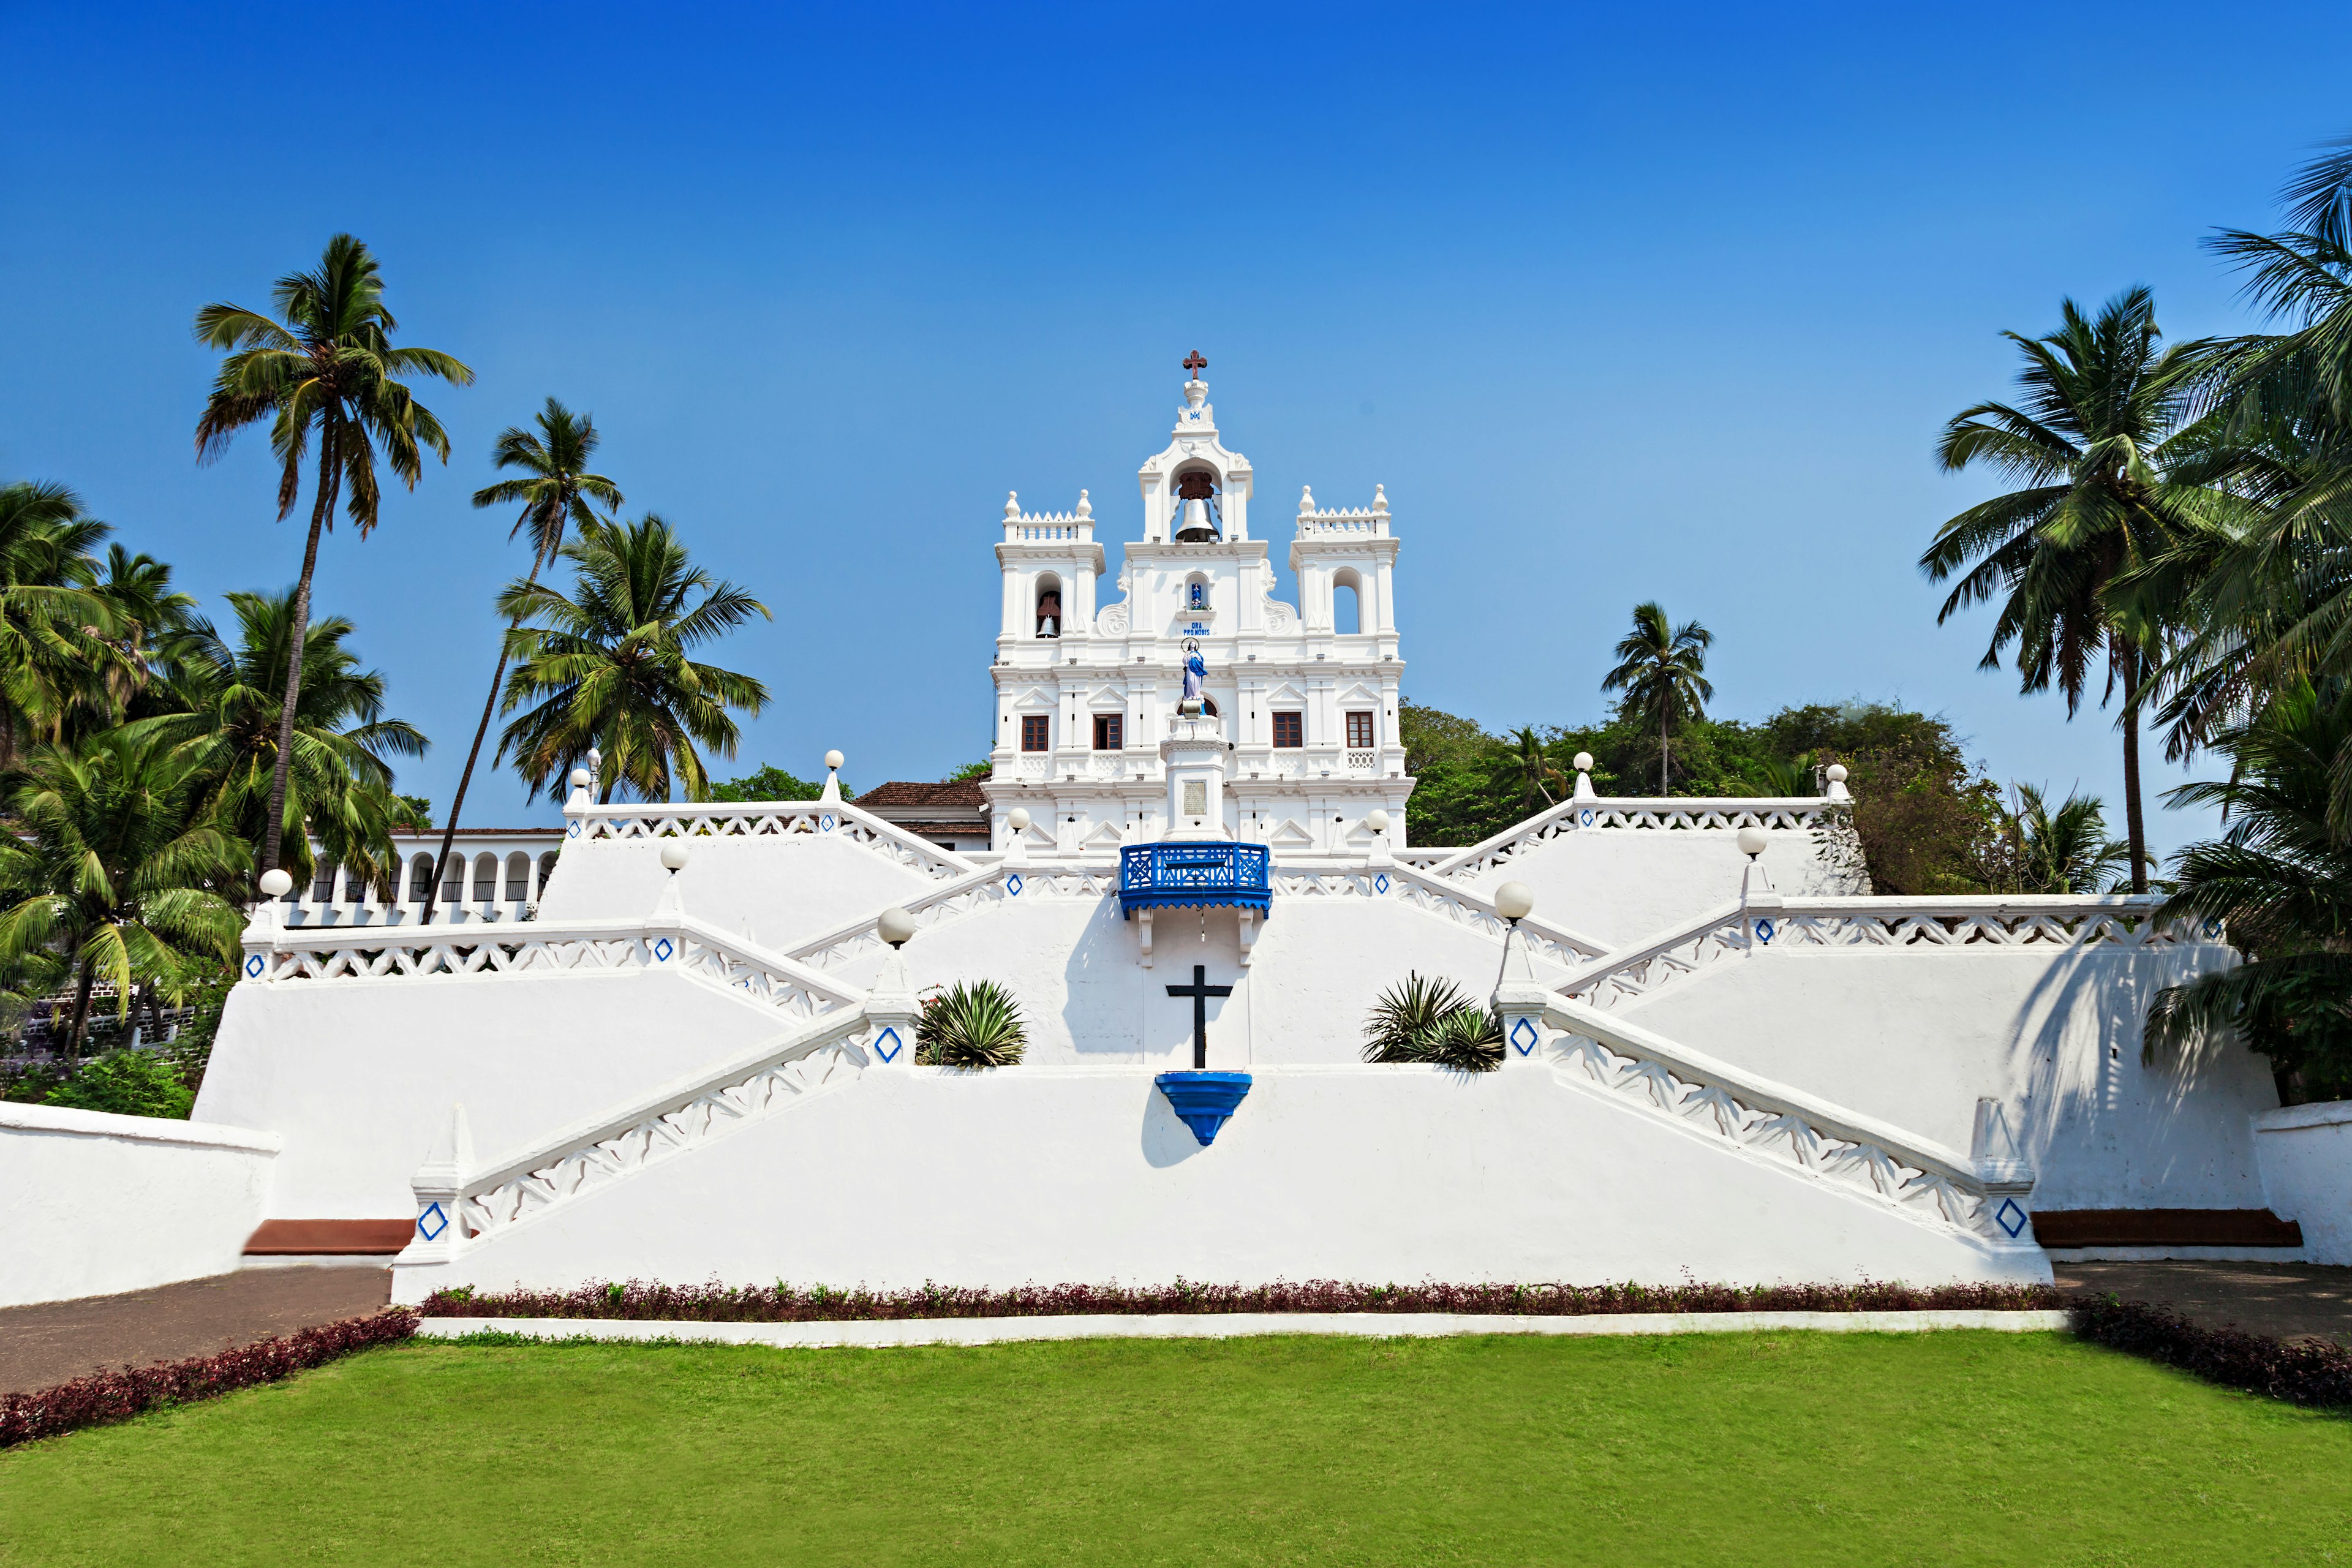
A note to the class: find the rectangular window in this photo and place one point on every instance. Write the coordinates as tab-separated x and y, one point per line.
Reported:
1032	731
1289	729
1109	730
1359	731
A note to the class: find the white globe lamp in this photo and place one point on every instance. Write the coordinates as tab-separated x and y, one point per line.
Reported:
276	883
1378	822
895	926
675	855
1753	841
1515	901
832	759
1017	820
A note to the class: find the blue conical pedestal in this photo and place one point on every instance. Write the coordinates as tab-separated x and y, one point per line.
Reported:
1203	1099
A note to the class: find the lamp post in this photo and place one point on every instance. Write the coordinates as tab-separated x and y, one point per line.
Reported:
1520	998
1756	891
891	1007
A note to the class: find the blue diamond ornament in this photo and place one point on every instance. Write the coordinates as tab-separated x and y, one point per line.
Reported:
887	1045
2010	1218
432	1223
1763	928
1012	883
1380	883
253	967
662	950
1524	1037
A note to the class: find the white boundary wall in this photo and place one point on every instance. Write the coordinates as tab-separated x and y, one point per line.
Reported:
92	1204
2306	1162
1037	1174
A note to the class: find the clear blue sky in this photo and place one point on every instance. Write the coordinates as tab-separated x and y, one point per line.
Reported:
1618	307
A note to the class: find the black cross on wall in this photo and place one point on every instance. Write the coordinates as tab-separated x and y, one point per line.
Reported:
1200	991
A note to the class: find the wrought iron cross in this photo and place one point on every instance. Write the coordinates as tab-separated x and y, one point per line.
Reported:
1195	364
1200	991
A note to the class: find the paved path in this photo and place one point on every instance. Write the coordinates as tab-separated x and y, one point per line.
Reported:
2285	1300
57	1341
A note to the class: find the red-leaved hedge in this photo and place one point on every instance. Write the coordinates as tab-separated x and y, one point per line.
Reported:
781	1304
2308	1373
107	1396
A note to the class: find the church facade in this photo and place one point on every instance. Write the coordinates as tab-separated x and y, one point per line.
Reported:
1087	680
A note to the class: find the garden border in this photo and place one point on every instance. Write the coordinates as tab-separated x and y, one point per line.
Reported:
885	1333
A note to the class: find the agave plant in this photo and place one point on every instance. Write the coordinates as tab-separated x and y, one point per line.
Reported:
1428	1020
974	1025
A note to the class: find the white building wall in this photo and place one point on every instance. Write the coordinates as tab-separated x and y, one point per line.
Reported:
1915	1036
91	1203
358	1076
1621	885
780	888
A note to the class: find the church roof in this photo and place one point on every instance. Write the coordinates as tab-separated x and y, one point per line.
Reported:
921	802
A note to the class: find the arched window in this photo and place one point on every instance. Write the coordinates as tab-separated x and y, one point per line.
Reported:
420	873
1049	606
486	879
356	886
1347	603
453	885
323	889
546	869
518	877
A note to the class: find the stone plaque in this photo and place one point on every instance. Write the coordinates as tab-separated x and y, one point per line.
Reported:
1196	798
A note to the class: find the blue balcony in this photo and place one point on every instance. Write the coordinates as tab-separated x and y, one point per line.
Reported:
1189	875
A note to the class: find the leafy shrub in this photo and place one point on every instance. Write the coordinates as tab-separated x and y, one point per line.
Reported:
2310	1373
127	1083
644	1301
1428	1021
974	1025
110	1397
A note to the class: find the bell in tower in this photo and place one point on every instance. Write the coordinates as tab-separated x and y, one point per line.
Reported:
1196	496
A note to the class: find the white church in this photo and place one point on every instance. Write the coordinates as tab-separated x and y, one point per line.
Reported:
678	1043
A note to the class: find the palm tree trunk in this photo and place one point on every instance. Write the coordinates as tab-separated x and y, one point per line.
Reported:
449	833
2135	830
1662	750
273	830
81	1021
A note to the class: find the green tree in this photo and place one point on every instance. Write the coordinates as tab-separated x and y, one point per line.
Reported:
113	872
55	655
324	372
1536	768
1662	672
127	1083
2278	883
2066	850
606	666
556	490
226	723
2104	421
769	783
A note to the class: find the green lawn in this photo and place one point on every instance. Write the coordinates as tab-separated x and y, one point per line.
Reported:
1778	1448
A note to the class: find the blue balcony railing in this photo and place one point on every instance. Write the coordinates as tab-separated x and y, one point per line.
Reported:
1210	876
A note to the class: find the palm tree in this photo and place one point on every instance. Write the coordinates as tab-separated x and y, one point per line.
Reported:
2066	850
2279	883
1662	672
2104	419
1534	768
327	372
55	649
151	616
555	494
226	725
114	871
607	669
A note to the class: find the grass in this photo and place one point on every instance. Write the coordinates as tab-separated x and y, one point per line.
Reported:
1786	1448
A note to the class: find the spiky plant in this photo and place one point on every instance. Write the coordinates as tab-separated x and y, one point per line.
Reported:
971	1025
1405	1014
1427	1020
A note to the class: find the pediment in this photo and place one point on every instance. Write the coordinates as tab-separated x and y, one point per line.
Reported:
1290	836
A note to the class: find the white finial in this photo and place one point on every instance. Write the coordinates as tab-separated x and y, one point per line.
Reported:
1584	790
1086	507
1837	776
1012	505
1305	500
1379	497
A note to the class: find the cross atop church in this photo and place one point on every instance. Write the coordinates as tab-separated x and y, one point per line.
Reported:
1195	364
1200	991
